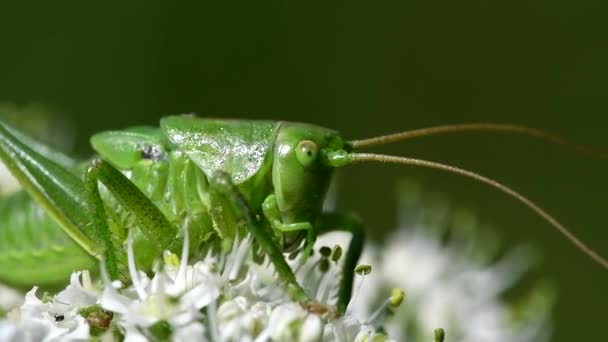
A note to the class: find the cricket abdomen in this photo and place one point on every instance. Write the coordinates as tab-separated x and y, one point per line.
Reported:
33	248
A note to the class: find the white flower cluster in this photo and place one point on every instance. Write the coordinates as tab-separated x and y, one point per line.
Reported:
444	289
50	319
447	264
221	298
448	283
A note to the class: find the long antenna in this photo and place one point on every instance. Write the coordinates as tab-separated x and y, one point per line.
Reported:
365	157
479	127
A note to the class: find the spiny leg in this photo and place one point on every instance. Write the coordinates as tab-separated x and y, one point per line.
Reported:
148	218
221	184
341	222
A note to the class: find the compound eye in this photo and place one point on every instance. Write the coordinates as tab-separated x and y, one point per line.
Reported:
306	152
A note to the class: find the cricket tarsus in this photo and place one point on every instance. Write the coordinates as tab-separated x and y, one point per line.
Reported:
365	157
480	127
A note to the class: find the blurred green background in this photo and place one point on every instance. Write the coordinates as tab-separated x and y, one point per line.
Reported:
364	68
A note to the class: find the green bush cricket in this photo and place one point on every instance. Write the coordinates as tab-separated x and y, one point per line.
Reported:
219	178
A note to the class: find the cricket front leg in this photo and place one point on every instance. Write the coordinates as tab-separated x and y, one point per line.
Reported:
341	222
221	185
273	215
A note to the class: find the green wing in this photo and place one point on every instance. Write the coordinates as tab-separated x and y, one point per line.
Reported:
51	185
238	147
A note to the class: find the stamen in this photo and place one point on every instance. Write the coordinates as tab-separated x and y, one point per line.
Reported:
439	335
361	270
180	279
298	253
228	262
394	300
141	292
105	275
325	285
244	248
111	287
336	253
86	280
325	251
238	257
213	326
328	274
171	259
324	265
309	277
324	288
397	297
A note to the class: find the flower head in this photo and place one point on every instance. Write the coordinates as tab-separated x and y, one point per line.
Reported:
418	281
225	297
452	277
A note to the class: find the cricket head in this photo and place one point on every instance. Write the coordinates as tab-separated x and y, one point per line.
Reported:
299	174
